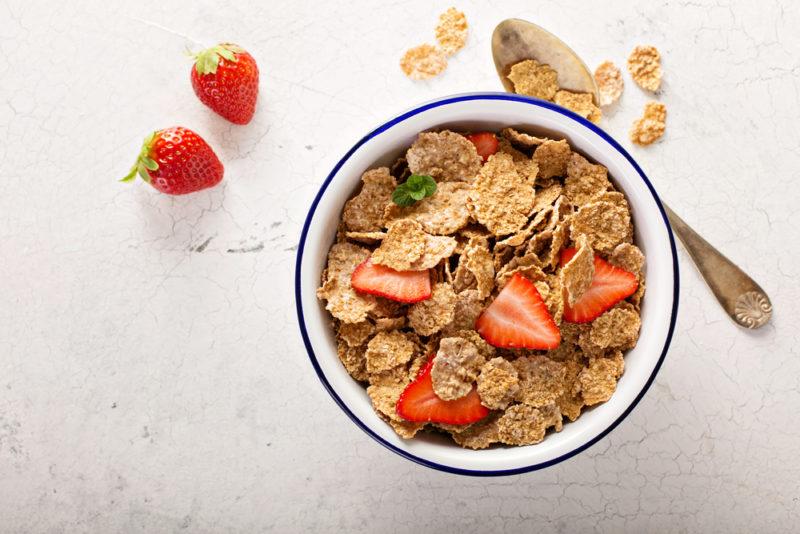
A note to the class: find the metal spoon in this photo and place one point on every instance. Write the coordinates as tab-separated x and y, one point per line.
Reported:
515	40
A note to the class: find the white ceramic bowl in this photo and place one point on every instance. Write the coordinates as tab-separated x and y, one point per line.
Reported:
491	111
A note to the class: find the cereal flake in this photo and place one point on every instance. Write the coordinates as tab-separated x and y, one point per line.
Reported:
577	274
368	238
605	225
429	316
437	248
629	258
478	435
455	368
388	350
571	401
469	306
522	139
446	156
651	126
609	82
451	32
580	103
522	424
618	328
353	360
552	158
444	213
404	244
356	334
500	197
479	261
498	383
364	212
585	181
423	62
342	300
534	79
644	64
599	380
541	380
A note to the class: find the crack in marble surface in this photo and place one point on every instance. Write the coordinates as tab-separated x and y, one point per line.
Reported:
150	381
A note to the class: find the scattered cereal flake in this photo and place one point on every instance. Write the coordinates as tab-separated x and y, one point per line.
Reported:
552	158
437	248
541	380
534	79
444	213
500	197
585	181
446	156
522	139
479	261
389	323
629	258
451	32
429	316
423	62
498	383
364	212
387	350
343	301
546	196
609	82
478	435
605	225
580	103
651	126
599	380
384	399
618	328
469	306
571	402
404	244
353	359
644	64
521	424
356	334
577	274
368	238
455	368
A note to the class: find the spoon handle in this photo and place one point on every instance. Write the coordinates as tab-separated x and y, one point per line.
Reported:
740	296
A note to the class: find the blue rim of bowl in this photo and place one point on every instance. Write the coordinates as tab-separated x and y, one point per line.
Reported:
387	125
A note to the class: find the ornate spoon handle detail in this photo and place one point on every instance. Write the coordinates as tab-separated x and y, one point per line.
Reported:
740	296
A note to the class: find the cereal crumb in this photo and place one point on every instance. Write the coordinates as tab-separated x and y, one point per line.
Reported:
387	350
585	181
423	62
342	300
431	315
577	274
552	158
500	197
599	380
534	79
644	64
541	380
444	213
498	383
605	225
446	156
455	368
364	212
651	126
580	103
451	32
609	82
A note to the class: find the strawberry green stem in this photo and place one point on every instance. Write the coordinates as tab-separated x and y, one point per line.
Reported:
144	162
207	61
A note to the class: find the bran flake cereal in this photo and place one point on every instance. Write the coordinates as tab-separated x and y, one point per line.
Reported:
609	82
471	239
644	64
500	197
580	103
651	126
364	212
534	79
431	315
455	368
498	383
423	62
451	32
446	156
404	244
444	213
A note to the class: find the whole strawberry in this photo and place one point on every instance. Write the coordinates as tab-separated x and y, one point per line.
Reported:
177	161
225	78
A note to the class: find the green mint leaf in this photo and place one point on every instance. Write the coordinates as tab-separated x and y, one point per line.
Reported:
417	187
401	197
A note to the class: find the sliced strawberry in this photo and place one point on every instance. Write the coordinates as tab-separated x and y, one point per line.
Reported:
609	286
402	286
518	318
419	403
485	142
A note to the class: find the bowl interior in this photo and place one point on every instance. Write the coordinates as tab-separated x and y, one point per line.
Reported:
491	112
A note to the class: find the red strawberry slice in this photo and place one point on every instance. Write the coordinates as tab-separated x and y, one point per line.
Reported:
402	286
485	142
609	286
419	403
518	318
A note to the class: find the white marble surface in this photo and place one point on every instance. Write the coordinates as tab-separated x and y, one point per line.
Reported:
146	386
